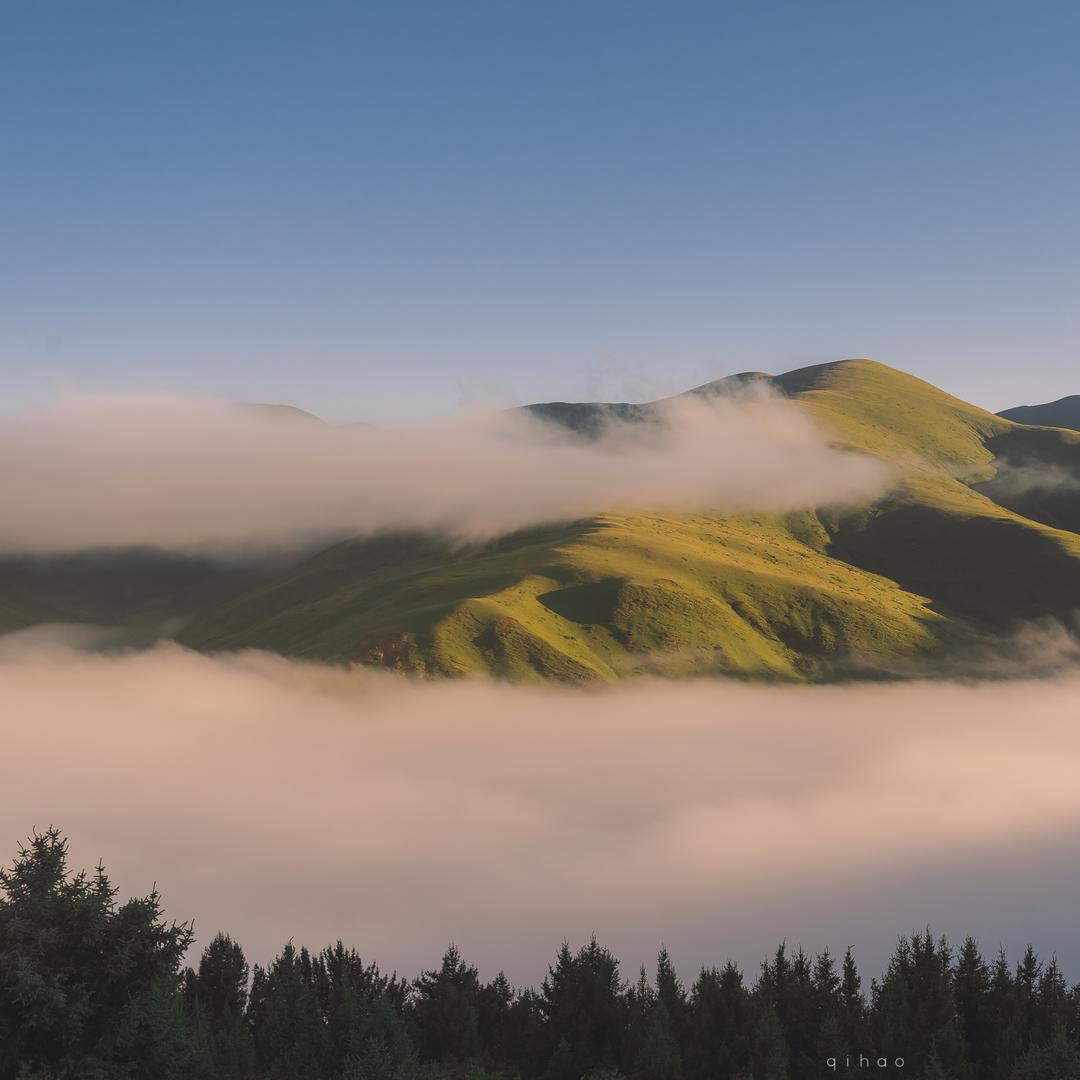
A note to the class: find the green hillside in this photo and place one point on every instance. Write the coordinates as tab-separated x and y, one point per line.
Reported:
977	535
597	599
138	589
813	595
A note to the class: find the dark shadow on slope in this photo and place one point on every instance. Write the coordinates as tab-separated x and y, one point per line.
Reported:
588	605
121	586
983	568
1038	475
802	379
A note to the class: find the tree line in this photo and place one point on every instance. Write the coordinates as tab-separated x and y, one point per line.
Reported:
92	989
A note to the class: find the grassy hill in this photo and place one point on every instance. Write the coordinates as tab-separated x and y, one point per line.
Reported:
812	595
595	599
962	549
1063	413
138	589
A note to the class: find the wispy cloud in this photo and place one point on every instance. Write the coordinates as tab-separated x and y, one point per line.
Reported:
183	473
1013	478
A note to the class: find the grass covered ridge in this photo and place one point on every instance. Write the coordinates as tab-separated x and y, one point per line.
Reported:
812	595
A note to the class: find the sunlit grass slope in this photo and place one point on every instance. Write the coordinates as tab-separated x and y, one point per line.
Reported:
815	595
599	599
940	533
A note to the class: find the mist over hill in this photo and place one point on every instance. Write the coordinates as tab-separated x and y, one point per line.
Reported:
644	538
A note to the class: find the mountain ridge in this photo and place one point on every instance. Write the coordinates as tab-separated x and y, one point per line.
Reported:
1063	413
809	595
956	553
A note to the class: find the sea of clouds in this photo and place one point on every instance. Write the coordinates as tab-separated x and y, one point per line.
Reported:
278	800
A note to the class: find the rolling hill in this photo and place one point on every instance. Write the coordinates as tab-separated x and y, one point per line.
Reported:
1063	413
973	540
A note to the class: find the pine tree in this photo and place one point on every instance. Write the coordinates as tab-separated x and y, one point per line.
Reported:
640	1004
1055	1059
827	1033
915	1006
495	1010
770	1053
290	1036
934	1070
971	988
582	1004
87	987
90	990
362	1010
721	1023
562	1065
216	998
1028	976
1053	1004
669	990
446	1011
787	986
1005	1040
663	1023
852	1007
527	1042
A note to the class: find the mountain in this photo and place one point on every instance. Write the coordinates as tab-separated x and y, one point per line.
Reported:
588	418
282	412
981	534
947	557
1063	413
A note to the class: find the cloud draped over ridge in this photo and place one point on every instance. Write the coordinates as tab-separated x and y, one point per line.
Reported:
277	799
1026	478
189	474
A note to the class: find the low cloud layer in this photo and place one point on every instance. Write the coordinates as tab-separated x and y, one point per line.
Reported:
277	800
1023	479
178	473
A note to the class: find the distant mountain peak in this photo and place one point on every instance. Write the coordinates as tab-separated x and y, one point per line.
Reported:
281	412
728	384
1063	413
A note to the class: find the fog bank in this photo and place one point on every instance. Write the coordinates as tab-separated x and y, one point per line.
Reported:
182	473
280	800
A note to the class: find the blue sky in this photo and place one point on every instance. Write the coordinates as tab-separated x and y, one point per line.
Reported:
376	210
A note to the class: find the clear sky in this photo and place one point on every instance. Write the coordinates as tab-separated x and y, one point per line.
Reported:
370	209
